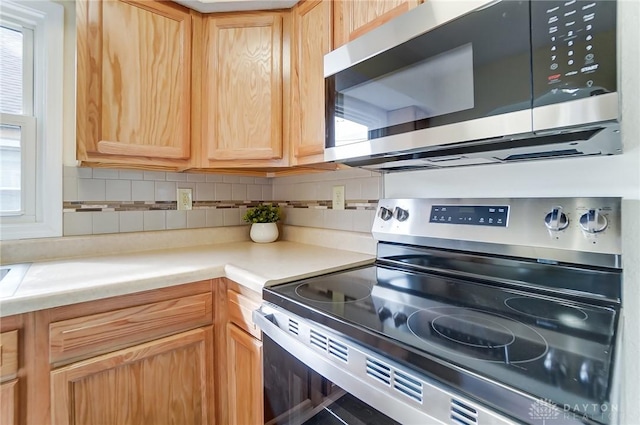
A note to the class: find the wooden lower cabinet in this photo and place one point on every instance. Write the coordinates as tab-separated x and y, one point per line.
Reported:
244	375
9	403
165	381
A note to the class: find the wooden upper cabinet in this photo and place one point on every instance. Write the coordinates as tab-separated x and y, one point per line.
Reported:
242	89
134	82
354	18
312	31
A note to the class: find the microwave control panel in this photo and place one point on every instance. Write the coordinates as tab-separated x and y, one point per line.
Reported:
574	49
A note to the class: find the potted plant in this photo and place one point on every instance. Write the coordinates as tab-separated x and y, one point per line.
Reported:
263	220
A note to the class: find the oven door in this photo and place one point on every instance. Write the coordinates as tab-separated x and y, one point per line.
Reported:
465	78
313	384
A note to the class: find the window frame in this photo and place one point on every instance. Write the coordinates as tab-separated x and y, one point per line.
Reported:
43	190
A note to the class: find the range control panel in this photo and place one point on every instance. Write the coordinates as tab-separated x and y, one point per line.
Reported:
477	215
542	228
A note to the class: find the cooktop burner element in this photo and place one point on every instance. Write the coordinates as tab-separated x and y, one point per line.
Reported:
544	309
478	334
334	292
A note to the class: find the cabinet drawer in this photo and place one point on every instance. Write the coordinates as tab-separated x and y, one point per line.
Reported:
86	336
8	355
240	309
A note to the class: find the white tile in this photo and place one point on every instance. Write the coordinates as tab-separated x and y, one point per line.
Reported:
154	220
309	217
237	179
118	190
305	192
325	190
262	180
283	192
254	192
352	189
131	221
176	219
214	178
339	219
165	191
232	216
214	217
106	222
370	188
362	220
77	223
205	192
154	175
239	192
267	192
193	177
142	190
91	190
70	171
196	218
105	173
131	175
176	177
85	172
223	192
70	188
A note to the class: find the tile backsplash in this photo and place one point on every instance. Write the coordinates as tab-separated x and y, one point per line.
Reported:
102	201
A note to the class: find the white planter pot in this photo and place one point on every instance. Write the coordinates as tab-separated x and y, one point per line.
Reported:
264	232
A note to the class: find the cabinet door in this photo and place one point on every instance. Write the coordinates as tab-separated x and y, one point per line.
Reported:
242	90
134	82
244	375
167	381
354	18
9	403
312	40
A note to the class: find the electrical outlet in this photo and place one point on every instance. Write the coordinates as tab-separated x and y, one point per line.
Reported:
185	199
338	198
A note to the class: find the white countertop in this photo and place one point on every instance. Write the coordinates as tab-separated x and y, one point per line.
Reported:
55	283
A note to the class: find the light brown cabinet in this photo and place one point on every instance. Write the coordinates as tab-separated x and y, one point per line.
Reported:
9	408
244	372
134	83
162	381
243	78
354	18
312	29
239	355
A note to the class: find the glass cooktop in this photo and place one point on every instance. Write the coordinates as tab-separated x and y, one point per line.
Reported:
551	348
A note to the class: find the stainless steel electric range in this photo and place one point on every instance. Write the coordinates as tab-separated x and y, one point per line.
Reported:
476	311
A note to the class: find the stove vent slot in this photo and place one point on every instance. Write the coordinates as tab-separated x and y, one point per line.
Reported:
332	347
338	350
319	340
378	371
407	385
463	414
293	327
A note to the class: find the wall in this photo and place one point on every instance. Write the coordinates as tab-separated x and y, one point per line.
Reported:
99	201
607	176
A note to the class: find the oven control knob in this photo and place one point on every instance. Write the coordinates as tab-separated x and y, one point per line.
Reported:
384	313
593	222
385	214
556	220
399	319
400	214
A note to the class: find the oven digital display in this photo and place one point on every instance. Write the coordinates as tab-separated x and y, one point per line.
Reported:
476	215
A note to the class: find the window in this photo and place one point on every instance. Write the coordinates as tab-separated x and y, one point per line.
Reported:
31	40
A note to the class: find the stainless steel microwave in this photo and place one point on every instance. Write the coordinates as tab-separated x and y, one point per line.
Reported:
454	83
